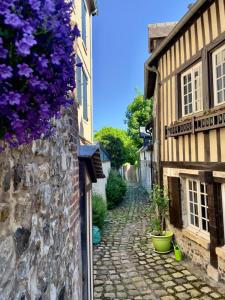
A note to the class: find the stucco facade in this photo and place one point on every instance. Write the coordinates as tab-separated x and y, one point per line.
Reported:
82	16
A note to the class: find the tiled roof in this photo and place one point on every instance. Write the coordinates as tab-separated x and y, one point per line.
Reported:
160	29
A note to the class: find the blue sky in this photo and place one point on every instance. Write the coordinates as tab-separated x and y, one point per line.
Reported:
120	48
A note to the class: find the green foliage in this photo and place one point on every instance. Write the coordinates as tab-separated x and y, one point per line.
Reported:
159	208
139	112
118	144
115	189
98	210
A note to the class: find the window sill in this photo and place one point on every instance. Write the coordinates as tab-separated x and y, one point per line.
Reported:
197	236
220	251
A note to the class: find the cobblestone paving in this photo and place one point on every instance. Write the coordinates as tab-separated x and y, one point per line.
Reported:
126	267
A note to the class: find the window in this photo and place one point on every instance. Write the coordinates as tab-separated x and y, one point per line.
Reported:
218	58
79	81
198	205
81	88
191	88
84	26
85	102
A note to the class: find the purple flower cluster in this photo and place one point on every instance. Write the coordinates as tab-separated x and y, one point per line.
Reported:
36	66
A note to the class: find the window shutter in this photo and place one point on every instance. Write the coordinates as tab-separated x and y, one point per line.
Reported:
215	220
79	81
85	100
175	208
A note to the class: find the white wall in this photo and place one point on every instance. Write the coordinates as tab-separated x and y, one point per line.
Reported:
145	170
100	185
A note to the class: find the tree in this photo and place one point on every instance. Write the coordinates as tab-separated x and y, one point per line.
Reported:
138	113
118	144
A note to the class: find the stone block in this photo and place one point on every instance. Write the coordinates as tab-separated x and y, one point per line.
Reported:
21	237
7	181
213	273
4	212
18	171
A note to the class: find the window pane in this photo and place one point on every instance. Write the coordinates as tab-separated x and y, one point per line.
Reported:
223	68
195	198
223	55
218	58
190	196
190	108
219	84
185	110
189	77
185	100
185	90
204	227
196	209
195	185
189	88
203	212
192	220
191	207
202	188
218	71
189	98
84	29
190	184
202	200
196	222
185	79
219	97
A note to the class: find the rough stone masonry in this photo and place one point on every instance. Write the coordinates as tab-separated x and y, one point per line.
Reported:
40	248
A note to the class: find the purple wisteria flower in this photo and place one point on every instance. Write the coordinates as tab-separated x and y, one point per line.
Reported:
36	67
24	70
5	71
13	20
35	4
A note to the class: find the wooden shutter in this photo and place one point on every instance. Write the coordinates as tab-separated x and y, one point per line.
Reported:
175	208
216	226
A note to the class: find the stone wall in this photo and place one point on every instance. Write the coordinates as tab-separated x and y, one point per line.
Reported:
40	248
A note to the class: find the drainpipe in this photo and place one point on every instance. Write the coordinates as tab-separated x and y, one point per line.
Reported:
158	125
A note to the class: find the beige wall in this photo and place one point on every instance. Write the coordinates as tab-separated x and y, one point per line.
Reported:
85	54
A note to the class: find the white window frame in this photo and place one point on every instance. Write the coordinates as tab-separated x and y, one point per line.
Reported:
196	228
191	71
215	91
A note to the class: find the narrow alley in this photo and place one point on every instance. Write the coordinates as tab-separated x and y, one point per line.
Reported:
126	267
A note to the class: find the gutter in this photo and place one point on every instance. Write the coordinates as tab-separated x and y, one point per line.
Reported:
192	11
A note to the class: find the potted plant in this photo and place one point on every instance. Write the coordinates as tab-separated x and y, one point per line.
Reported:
161	238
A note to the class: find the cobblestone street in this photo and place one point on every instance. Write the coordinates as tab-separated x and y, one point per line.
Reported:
126	267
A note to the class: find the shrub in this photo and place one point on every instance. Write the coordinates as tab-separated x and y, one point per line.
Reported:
36	67
115	189
98	210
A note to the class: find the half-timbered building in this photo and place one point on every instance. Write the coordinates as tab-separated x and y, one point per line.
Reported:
185	74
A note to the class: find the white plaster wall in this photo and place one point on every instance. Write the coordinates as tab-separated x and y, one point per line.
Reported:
100	185
145	178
